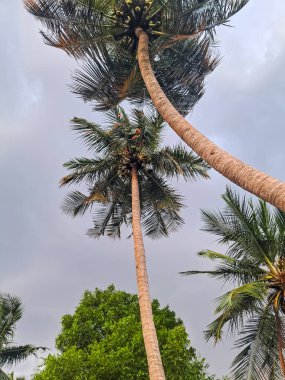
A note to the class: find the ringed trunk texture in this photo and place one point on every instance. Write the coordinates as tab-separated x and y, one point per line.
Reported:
245	176
281	343
155	367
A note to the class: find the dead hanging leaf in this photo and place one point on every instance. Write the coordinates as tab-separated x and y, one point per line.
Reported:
65	180
181	37
128	83
97	197
177	38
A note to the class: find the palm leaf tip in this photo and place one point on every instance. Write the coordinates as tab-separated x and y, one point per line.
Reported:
11	355
190	272
64	181
212	255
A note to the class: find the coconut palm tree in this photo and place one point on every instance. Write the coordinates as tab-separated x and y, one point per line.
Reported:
126	182
255	262
10	313
162	44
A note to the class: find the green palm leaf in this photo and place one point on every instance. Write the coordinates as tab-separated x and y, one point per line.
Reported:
188	17
254	261
10	313
216	256
234	306
160	207
93	135
259	355
178	161
86	169
14	354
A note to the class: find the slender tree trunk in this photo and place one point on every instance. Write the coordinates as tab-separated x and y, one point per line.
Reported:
245	176
155	367
281	342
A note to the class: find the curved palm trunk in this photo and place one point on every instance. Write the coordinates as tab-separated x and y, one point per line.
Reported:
281	342
155	366
245	176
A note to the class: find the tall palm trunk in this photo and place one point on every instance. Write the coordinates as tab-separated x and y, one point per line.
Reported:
155	366
281	343
245	176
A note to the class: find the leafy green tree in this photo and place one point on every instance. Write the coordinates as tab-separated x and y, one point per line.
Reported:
10	313
126	183
103	340
255	263
128	45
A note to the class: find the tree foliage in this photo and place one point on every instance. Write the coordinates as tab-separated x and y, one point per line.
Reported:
102	340
255	263
125	142
102	34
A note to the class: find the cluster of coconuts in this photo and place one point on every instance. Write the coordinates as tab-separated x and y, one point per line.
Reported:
133	154
136	13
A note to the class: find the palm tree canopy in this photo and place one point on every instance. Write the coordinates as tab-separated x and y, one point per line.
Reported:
10	313
123	143
103	33
255	263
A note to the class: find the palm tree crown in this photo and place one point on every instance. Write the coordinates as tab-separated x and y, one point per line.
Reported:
255	263
104	34
10	313
123	144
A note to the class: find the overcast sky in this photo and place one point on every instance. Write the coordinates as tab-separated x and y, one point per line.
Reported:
46	258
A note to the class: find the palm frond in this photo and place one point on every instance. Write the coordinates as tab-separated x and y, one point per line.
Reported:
212	273
77	203
194	16
160	207
72	25
177	161
151	126
108	219
88	170
107	79
12	355
259	355
94	137
10	312
237	273
236	226
180	66
234	306
212	255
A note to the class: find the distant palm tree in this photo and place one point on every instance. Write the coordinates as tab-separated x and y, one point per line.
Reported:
114	37
126	180
10	313
255	262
